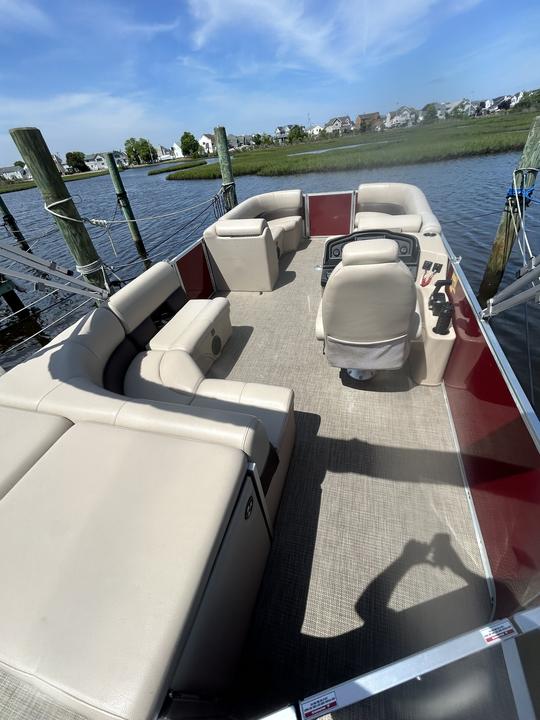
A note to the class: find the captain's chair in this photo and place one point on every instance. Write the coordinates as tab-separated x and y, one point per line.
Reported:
367	314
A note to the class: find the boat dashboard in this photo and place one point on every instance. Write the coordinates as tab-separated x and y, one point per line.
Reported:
409	249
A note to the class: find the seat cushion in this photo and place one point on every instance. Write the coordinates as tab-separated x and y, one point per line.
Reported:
24	437
103	593
287	231
167	376
201	328
271	404
384	221
173	377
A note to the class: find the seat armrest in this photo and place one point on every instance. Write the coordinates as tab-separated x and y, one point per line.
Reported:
241	227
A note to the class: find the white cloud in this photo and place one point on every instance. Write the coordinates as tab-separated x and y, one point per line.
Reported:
83	121
148	30
340	38
23	14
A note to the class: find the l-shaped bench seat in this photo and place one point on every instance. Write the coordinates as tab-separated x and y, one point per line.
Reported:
130	564
115	366
244	245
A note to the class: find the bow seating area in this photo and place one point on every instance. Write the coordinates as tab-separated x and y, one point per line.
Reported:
394	206
128	488
245	244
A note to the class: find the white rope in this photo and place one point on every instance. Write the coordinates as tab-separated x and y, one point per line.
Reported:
105	223
39	332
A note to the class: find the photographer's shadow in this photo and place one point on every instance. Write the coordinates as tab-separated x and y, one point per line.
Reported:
388	634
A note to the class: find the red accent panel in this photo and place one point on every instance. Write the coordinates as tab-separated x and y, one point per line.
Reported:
195	274
330	214
500	459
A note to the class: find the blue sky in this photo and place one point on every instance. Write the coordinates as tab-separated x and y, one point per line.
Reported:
92	73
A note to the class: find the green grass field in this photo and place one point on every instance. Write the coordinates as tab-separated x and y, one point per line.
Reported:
179	166
27	184
443	140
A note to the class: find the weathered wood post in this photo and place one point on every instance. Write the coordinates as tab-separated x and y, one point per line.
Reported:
506	232
225	164
12	300
13	228
123	201
36	154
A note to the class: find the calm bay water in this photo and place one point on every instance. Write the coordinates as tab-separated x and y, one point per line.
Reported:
466	194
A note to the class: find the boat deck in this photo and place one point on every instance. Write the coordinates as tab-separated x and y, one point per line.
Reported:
375	554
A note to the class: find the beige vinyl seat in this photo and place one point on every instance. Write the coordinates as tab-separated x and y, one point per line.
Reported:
245	244
105	368
368	313
130	564
394	206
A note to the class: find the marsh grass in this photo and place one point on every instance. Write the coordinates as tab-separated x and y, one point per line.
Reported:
27	184
178	166
444	140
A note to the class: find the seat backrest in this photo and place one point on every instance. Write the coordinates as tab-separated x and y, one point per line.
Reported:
370	296
137	300
80	351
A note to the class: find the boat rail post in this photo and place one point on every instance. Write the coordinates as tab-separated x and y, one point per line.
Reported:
506	232
123	201
37	156
225	164
12	227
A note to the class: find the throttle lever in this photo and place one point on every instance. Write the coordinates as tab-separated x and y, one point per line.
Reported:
438	299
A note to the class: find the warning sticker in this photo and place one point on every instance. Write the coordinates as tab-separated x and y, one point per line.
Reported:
498	631
319	705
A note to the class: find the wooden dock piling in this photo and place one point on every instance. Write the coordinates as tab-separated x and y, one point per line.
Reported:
12	227
225	164
123	201
506	232
36	154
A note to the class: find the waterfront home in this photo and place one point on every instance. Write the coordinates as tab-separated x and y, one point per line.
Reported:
177	150
368	121
462	108
13	172
96	161
208	143
281	133
314	130
164	153
339	125
402	117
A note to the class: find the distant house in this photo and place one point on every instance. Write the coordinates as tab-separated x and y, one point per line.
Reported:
13	172
164	153
96	161
462	108
517	98
339	125
281	133
177	150
208	143
368	121
402	117
314	130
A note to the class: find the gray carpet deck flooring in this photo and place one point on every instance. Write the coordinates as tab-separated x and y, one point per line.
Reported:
374	554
